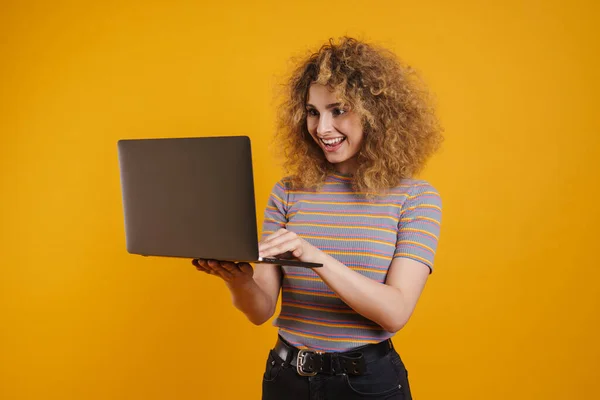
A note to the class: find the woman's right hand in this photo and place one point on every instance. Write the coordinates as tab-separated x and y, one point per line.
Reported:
233	274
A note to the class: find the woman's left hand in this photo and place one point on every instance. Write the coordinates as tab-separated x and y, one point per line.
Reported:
287	243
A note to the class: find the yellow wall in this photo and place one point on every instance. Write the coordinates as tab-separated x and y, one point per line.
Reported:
512	309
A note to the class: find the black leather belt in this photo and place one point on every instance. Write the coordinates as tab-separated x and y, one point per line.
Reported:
312	362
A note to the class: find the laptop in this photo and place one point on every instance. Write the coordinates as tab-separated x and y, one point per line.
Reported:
191	198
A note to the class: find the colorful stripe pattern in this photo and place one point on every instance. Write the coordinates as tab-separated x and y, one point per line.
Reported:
365	235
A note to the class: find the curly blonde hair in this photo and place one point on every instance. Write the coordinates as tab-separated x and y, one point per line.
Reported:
400	127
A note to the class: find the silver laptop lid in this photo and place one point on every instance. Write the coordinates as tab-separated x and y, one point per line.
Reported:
189	197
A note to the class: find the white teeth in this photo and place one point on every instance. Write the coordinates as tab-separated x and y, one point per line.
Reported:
332	141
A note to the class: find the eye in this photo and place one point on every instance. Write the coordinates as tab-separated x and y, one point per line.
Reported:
312	112
338	111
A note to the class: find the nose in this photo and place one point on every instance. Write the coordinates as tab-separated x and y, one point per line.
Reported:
325	123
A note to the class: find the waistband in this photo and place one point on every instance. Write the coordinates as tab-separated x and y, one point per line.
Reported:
312	362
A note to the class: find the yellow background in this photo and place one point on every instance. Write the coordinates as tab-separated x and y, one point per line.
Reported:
512	310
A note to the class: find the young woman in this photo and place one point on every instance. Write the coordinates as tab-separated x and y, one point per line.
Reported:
355	129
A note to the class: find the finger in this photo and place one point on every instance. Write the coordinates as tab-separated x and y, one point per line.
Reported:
275	234
201	265
230	267
298	252
199	262
245	268
294	246
213	265
277	241
218	270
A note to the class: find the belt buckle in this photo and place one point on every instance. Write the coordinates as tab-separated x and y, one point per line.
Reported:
300	360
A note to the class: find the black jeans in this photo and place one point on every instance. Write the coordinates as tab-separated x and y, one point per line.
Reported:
385	378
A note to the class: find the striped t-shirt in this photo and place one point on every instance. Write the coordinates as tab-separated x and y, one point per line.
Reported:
363	234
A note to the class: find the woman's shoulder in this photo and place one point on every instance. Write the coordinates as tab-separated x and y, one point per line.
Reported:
418	191
415	185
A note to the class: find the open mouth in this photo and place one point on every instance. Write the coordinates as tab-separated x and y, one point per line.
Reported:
332	144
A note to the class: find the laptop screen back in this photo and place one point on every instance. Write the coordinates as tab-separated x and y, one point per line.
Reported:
189	197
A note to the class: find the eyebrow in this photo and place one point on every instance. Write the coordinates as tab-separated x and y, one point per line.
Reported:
328	106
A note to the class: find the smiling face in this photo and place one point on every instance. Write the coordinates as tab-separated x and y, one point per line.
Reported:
338	131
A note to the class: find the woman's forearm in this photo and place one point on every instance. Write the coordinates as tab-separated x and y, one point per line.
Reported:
378	302
253	301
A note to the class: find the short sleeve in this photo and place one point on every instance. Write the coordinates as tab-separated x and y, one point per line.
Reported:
419	226
275	216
